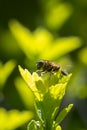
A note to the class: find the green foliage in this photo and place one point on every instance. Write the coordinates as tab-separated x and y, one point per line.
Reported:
10	120
83	55
25	93
55	13
48	90
54	21
63	113
33	44
5	71
55	25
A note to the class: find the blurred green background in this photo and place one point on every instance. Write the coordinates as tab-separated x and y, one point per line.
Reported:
31	30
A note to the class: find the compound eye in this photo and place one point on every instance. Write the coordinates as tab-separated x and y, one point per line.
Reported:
40	64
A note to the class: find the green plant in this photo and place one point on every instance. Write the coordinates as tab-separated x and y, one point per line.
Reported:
48	90
33	43
10	120
5	70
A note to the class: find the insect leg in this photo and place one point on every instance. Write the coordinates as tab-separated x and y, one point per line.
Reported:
64	72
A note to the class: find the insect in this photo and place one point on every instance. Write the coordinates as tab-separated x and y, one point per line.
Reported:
48	66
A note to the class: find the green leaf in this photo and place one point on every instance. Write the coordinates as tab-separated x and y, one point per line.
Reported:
57	91
63	113
31	43
54	96
5	71
22	35
25	93
83	55
10	120
58	47
57	14
31	81
26	76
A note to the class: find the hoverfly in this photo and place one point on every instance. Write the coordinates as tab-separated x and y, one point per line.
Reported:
48	66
